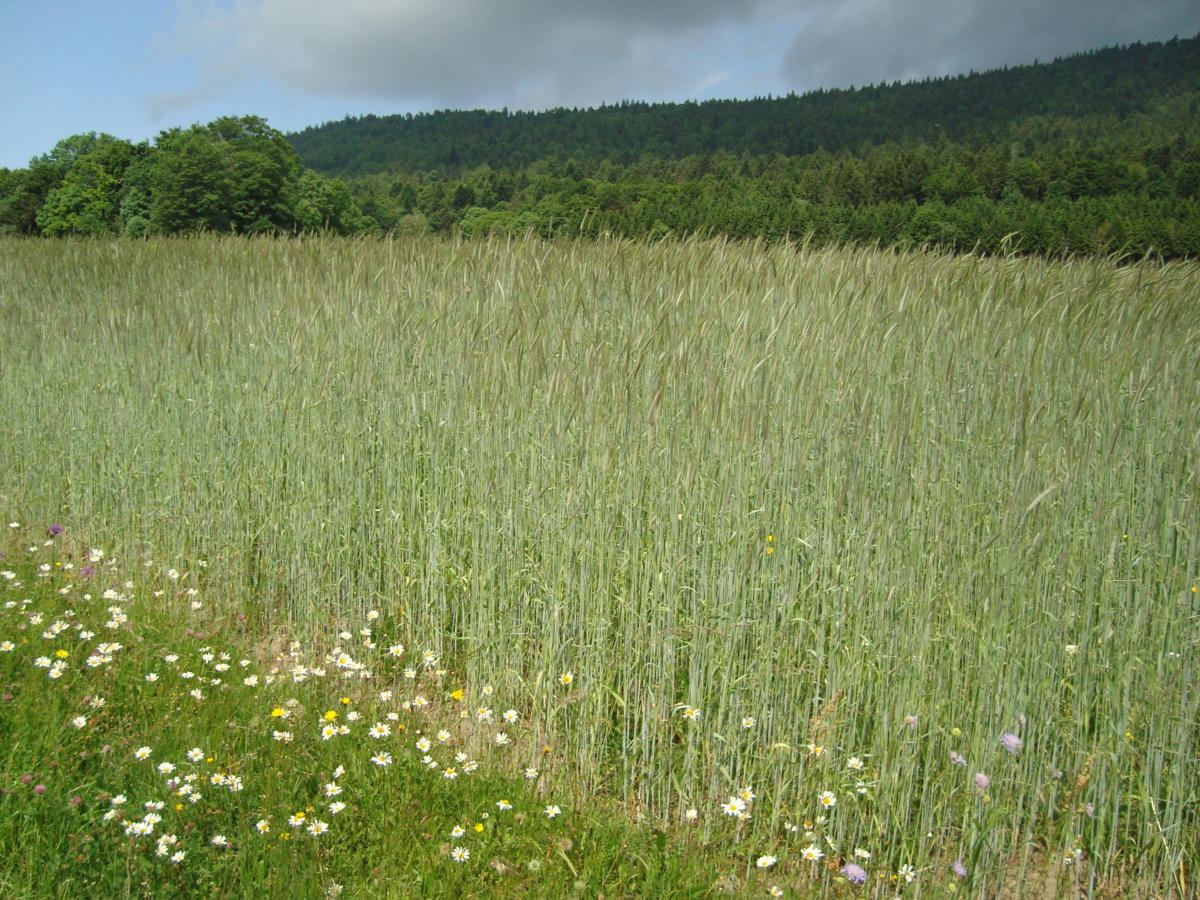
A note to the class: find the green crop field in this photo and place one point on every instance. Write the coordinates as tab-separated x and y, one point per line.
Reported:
820	572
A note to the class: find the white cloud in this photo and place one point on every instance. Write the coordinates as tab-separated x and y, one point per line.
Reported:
710	81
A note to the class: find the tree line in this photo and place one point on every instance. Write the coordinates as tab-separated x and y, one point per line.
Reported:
1113	83
233	175
1098	153
1102	199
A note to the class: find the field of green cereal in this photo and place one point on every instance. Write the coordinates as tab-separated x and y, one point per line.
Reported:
607	569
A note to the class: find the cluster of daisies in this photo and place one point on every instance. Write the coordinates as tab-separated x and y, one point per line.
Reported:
368	697
364	695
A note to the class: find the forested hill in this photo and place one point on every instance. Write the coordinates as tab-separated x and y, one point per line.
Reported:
972	109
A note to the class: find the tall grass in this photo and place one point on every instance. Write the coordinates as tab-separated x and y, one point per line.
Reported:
829	489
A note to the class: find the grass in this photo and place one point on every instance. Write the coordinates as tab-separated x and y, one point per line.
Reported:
887	505
155	750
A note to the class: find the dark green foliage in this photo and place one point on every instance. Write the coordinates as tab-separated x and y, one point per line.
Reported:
978	109
1097	153
949	196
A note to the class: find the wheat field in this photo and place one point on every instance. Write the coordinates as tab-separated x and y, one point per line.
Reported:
804	519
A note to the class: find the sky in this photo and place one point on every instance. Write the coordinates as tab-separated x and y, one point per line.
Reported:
133	68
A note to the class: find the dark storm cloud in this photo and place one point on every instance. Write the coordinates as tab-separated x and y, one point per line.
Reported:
539	53
868	41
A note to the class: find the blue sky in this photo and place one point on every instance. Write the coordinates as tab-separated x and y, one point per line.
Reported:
135	68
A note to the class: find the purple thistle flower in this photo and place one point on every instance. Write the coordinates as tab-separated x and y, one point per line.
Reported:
855	874
958	868
53	530
957	759
982	781
1011	742
87	570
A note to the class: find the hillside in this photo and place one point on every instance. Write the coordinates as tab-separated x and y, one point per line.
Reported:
1097	153
974	108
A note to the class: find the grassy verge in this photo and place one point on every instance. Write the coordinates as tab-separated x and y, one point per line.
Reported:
157	748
